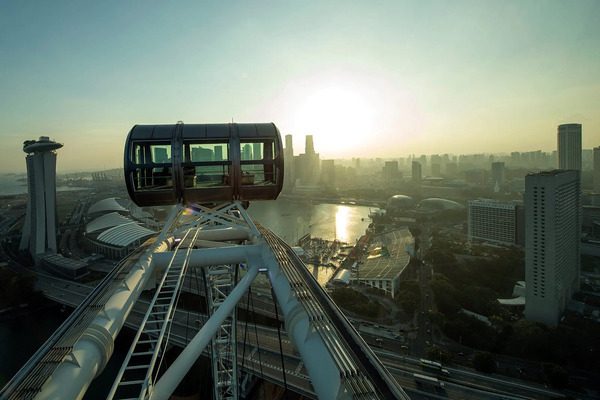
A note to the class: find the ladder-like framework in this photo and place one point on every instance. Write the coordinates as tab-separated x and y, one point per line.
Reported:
220	280
138	371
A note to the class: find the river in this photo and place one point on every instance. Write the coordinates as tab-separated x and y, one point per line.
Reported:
291	220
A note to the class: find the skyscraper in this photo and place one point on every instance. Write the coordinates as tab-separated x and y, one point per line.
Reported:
218	153
246	152
257	151
552	230
309	147
390	172
39	229
308	166
416	172
328	173
497	174
569	146
597	169
289	173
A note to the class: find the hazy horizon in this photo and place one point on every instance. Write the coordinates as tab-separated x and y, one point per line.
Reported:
367	80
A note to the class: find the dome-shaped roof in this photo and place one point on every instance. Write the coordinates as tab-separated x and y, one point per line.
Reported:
106	205
106	221
435	204
400	201
125	234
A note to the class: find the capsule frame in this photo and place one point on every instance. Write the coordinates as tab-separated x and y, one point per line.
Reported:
203	163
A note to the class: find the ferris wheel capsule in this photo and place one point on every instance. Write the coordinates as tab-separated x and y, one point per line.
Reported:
200	163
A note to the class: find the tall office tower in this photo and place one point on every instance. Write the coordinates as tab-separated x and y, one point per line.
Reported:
246	152
497	173
390	172
200	154
552	231
218	153
492	221
309	163
309	147
257	151
416	172
39	229
597	169
569	146
328	173
289	172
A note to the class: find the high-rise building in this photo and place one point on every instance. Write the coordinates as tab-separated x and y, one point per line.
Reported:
257	151
390	171
39	229
218	153
246	152
161	155
309	147
289	172
202	154
328	173
597	169
569	146
308	165
492	221
552	234
498	173
416	172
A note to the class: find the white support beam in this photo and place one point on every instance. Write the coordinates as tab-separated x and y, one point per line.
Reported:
167	384
320	365
214	256
219	234
91	352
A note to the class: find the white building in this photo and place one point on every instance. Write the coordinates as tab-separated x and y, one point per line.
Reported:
552	231
388	257
492	221
39	229
569	146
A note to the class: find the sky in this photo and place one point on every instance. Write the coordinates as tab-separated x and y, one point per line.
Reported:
366	78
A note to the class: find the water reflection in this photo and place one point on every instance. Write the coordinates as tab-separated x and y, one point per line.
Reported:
290	220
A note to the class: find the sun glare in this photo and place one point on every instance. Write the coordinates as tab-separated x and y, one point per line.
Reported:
339	116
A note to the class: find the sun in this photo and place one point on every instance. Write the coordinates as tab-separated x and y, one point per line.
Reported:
339	116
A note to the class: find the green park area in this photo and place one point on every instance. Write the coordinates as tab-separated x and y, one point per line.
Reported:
464	281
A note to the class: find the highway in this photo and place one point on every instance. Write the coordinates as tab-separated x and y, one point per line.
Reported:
461	383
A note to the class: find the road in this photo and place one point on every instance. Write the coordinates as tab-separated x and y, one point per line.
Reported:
460	384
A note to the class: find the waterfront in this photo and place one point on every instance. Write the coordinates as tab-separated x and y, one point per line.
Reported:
291	220
12	185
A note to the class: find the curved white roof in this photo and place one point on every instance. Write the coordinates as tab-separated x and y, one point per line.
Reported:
106	221
124	235
105	205
434	203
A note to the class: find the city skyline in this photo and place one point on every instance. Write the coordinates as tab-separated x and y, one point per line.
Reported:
352	76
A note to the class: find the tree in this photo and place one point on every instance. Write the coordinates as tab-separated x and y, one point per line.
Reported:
556	375
484	362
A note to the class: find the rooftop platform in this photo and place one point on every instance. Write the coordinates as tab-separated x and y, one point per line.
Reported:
388	255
